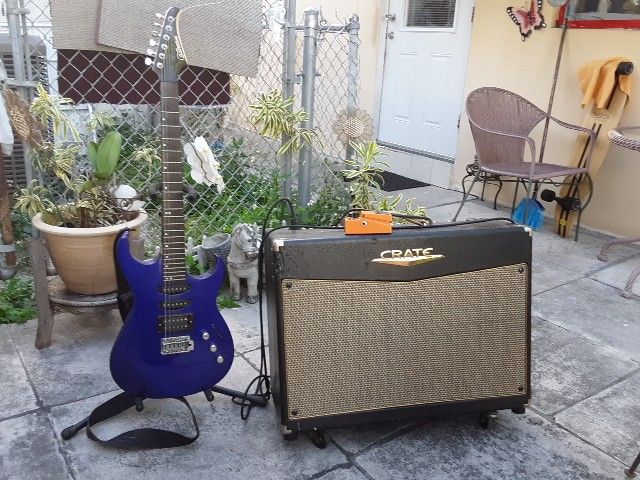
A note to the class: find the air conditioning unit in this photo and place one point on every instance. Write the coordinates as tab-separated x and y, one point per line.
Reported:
15	164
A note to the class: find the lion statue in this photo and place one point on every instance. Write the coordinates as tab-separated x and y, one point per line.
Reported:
243	261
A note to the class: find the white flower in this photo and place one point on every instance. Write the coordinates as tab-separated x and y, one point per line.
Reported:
204	166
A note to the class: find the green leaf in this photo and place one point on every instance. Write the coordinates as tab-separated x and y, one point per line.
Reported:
92	150
108	155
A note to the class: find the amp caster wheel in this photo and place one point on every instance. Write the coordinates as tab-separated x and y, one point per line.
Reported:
519	410
318	438
290	437
484	420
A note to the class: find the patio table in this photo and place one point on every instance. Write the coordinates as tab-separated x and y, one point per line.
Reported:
628	137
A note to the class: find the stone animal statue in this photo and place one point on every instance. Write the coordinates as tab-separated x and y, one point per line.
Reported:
243	261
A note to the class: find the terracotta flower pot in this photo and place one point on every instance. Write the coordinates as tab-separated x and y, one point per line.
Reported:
83	257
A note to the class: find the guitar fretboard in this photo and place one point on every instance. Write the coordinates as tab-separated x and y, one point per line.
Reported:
173	240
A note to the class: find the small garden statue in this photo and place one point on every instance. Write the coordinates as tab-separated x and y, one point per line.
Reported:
243	261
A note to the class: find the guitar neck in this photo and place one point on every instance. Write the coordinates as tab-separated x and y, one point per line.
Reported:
173	238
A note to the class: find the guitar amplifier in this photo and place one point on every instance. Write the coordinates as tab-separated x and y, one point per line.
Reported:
420	322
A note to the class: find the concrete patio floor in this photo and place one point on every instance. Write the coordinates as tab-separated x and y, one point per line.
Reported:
583	421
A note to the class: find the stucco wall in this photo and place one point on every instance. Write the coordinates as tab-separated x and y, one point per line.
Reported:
370	12
498	57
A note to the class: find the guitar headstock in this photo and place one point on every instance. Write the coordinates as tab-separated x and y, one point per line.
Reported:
166	55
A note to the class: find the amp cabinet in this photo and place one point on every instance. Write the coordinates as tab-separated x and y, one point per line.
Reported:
421	322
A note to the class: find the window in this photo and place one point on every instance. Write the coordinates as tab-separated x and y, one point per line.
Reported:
603	14
431	13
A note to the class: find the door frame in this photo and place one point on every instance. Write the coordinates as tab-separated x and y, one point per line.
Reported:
383	29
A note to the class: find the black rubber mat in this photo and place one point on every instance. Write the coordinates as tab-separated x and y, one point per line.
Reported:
392	182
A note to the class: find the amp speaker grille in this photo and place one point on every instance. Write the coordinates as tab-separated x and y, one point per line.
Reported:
355	346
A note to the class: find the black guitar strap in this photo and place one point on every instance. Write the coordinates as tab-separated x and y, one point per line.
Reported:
139	439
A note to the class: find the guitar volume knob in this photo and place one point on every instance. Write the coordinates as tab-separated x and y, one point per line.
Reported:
220	359
205	335
213	347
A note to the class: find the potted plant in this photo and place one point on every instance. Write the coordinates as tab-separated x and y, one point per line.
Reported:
79	230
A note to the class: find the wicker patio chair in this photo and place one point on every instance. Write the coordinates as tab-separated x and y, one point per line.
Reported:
501	124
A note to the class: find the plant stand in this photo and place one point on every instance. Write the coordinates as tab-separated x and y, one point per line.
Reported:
52	292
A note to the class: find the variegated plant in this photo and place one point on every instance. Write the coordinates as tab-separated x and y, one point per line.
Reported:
90	201
275	117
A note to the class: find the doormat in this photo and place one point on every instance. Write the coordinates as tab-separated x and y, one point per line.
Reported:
392	181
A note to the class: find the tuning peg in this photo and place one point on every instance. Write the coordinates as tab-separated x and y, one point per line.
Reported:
155	34
152	42
156	24
159	64
159	15
148	61
151	51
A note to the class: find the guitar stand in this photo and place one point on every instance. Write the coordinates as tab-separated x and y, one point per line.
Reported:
258	400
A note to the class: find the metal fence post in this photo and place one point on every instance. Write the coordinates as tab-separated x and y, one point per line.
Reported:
309	58
288	85
353	73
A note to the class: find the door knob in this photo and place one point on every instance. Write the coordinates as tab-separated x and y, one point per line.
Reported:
390	16
391	35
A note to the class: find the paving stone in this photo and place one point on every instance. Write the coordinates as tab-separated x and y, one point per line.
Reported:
254	358
16	394
228	447
515	447
547	276
617	275
568	368
29	451
595	311
428	197
343	474
609	420
245	327
471	209
581	256
76	365
358	438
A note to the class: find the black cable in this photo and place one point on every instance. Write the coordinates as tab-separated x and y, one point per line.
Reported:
261	381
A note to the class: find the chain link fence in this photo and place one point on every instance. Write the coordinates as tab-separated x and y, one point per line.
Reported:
113	91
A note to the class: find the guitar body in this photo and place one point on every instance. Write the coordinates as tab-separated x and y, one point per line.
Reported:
138	364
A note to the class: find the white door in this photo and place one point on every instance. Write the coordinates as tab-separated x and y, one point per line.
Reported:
425	65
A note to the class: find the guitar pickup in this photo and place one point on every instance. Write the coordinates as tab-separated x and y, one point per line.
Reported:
175	323
174	305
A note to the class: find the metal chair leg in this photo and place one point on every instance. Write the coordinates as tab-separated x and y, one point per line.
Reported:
464	199
495	199
515	196
584	205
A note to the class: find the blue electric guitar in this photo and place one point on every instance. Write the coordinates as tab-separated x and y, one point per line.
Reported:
174	342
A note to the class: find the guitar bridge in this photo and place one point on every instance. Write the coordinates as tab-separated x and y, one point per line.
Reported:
173	345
